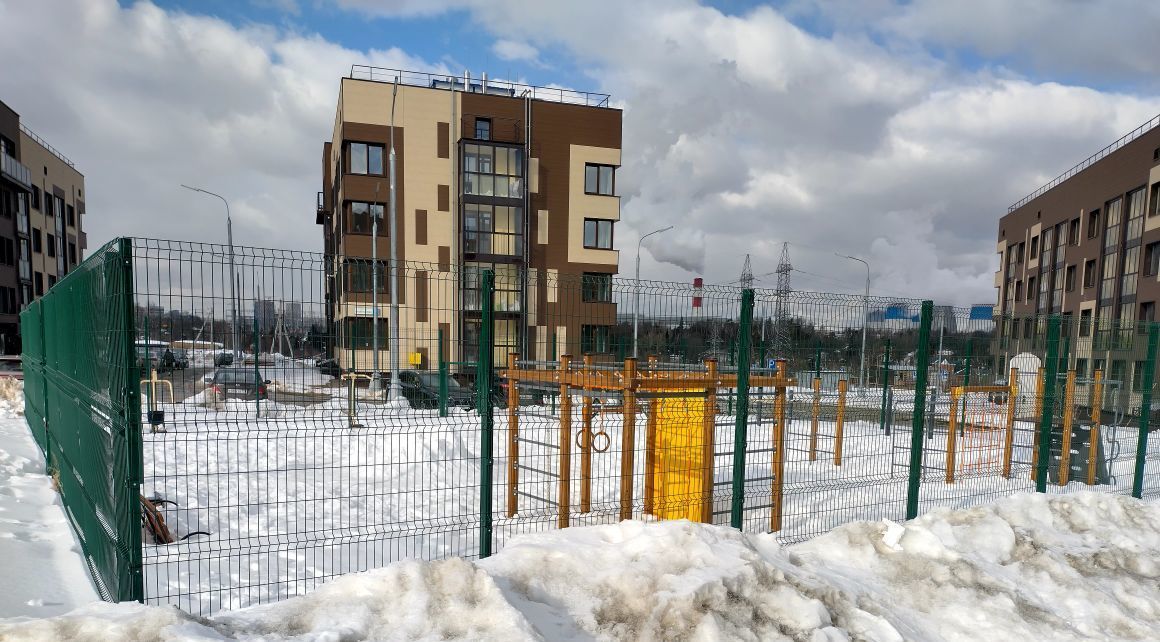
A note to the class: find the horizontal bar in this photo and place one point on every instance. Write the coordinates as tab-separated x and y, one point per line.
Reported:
525	440
537	470
539	499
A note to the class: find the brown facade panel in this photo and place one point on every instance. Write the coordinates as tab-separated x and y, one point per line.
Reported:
420	227
444	258
445	329
444	198
424	358
443	140
421	295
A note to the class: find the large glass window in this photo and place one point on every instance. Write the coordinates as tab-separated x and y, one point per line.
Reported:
359	277
483	128
507	286
1135	214
358	333
597	234
594	338
1108	283
1112	234
1131	267
597	288
490	170
366	158
599	179
492	229
358	218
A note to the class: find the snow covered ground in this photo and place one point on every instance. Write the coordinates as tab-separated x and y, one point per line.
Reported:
1030	567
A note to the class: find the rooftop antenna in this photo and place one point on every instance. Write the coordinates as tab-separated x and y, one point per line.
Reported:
781	311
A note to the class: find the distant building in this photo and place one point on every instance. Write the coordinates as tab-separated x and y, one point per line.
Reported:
265	311
292	316
490	175
42	212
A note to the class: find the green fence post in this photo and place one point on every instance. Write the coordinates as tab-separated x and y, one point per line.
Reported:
966	382
1145	410
885	385
741	423
1048	414
553	393
818	361
483	378
129	529
257	372
917	422
442	376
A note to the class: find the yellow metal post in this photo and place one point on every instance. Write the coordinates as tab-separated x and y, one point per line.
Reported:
513	402
951	429
1009	440
586	444
565	488
707	444
1094	435
778	452
840	427
628	439
814	422
1039	379
1068	415
650	451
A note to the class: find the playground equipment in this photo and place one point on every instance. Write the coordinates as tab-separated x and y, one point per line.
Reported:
976	423
680	425
156	417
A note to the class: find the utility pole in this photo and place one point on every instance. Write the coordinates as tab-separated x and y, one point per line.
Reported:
636	291
233	292
393	281
865	311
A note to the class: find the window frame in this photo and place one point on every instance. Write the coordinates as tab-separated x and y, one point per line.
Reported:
482	121
596	287
349	219
1069	278
1152	259
352	169
599	167
1073	231
1094	226
611	233
595	339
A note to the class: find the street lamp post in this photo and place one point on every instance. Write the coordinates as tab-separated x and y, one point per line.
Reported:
376	381
233	292
393	281
636	291
865	311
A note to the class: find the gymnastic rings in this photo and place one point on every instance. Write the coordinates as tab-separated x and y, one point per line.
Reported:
595	440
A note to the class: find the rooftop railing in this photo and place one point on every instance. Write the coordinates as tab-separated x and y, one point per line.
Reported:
1087	162
479	85
43	143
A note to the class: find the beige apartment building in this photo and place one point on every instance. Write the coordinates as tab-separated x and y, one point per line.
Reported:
489	175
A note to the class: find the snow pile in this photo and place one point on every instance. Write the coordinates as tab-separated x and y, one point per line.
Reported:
1029	567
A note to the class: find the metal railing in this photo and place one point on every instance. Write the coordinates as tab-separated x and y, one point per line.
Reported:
479	85
43	143
1087	162
15	169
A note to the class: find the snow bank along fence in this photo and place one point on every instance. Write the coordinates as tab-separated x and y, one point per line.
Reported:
224	432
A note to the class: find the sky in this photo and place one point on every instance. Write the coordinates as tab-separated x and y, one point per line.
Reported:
897	132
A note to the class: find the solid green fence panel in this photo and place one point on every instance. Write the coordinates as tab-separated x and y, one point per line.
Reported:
921	364
741	425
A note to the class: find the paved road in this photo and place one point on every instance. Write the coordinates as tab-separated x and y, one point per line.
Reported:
190	381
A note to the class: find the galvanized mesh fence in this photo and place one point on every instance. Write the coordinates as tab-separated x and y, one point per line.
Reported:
250	394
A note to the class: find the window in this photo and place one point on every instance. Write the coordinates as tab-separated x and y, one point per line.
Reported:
507	287
366	158
35	203
1081	368
599	179
50	243
1030	288
492	170
1034	248
1085	323
1118	371
1155	208
1114	211
358	218
1089	273
359	276
70	215
483	128
1093	224
1073	232
358	333
1069	281
1097	366
597	234
36	241
493	229
72	253
1019	290
1138	376
48	204
1019	252
1152	259
1147	314
1130	271
594	338
597	288
1135	214
38	282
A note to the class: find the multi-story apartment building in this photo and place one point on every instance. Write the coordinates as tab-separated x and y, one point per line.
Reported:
494	175
41	210
1087	246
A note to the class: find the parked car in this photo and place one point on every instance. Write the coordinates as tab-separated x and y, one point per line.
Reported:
421	390
223	359
10	366
238	383
180	359
329	367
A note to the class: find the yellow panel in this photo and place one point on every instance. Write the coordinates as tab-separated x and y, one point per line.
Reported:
678	470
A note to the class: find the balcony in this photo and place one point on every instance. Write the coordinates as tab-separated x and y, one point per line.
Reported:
15	171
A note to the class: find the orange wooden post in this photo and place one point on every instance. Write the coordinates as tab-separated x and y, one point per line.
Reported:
513	402
1068	413
775	514
586	444
1038	414
840	427
628	439
650	452
814	421
1094	435
707	443
951	429
564	497
1009	439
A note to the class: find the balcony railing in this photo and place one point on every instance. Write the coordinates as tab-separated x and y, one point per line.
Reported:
15	170
479	85
43	143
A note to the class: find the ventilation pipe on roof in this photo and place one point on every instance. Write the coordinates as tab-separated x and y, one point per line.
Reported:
483	77
466	80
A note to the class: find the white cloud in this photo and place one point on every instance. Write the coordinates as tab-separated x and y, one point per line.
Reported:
515	50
